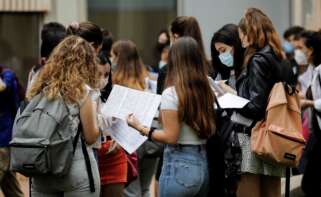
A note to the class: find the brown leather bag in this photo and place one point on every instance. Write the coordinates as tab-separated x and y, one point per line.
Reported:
278	139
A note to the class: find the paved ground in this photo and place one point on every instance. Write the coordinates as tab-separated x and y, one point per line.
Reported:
294	185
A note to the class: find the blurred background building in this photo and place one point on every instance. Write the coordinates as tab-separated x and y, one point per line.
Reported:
137	20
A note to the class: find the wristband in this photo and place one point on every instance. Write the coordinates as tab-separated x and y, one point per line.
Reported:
150	133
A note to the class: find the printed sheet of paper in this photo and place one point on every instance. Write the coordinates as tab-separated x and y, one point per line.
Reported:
123	101
127	137
225	98
229	100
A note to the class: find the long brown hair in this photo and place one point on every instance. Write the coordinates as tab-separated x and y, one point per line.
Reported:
130	70
260	32
196	99
188	26
70	67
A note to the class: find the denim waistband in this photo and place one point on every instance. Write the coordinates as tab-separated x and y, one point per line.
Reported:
200	147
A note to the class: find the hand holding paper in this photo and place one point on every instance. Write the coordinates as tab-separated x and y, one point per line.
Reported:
123	101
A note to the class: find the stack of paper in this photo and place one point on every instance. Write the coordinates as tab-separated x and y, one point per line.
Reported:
124	101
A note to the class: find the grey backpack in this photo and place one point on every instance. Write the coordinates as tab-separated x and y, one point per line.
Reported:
43	141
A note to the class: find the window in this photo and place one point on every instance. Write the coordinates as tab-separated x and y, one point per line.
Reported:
139	21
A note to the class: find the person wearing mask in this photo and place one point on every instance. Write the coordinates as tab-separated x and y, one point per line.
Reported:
93	34
9	103
112	169
292	35
187	113
262	69
227	60
51	35
71	73
227	54
311	161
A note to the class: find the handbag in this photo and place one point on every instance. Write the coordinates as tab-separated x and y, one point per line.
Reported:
278	137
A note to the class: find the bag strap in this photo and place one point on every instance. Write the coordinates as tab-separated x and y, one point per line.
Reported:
87	161
76	139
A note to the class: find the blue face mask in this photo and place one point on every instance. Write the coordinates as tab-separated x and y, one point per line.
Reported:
227	59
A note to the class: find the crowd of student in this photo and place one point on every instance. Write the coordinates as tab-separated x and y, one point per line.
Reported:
80	63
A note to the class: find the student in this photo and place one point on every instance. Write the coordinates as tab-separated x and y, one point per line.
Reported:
93	34
107	43
71	73
88	31
111	158
187	111
262	69
9	102
292	35
227	60
227	54
181	26
131	72
51	35
311	160
163	40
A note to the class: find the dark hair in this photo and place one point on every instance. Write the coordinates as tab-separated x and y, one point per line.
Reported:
293	31
312	40
187	70
51	35
228	35
107	42
88	31
105	92
160	46
188	26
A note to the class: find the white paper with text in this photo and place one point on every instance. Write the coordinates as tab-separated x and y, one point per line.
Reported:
123	101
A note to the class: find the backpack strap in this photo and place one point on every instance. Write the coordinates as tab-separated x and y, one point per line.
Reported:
86	156
76	139
88	166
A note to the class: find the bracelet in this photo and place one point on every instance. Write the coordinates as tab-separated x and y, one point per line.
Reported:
150	133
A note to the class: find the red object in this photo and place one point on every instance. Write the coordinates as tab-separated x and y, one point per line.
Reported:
112	166
132	172
305	126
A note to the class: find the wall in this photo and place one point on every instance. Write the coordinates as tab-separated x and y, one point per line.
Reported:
213	14
67	11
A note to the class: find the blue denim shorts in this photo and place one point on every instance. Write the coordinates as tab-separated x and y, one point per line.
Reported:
184	172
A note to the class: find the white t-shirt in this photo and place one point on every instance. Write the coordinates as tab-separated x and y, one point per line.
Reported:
187	134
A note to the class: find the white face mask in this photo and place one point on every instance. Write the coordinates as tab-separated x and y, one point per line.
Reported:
227	58
300	57
103	83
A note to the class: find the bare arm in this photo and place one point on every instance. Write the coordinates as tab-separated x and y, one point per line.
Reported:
88	117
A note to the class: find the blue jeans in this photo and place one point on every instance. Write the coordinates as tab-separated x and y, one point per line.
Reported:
184	172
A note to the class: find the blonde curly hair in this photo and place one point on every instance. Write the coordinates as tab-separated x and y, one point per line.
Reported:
70	67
